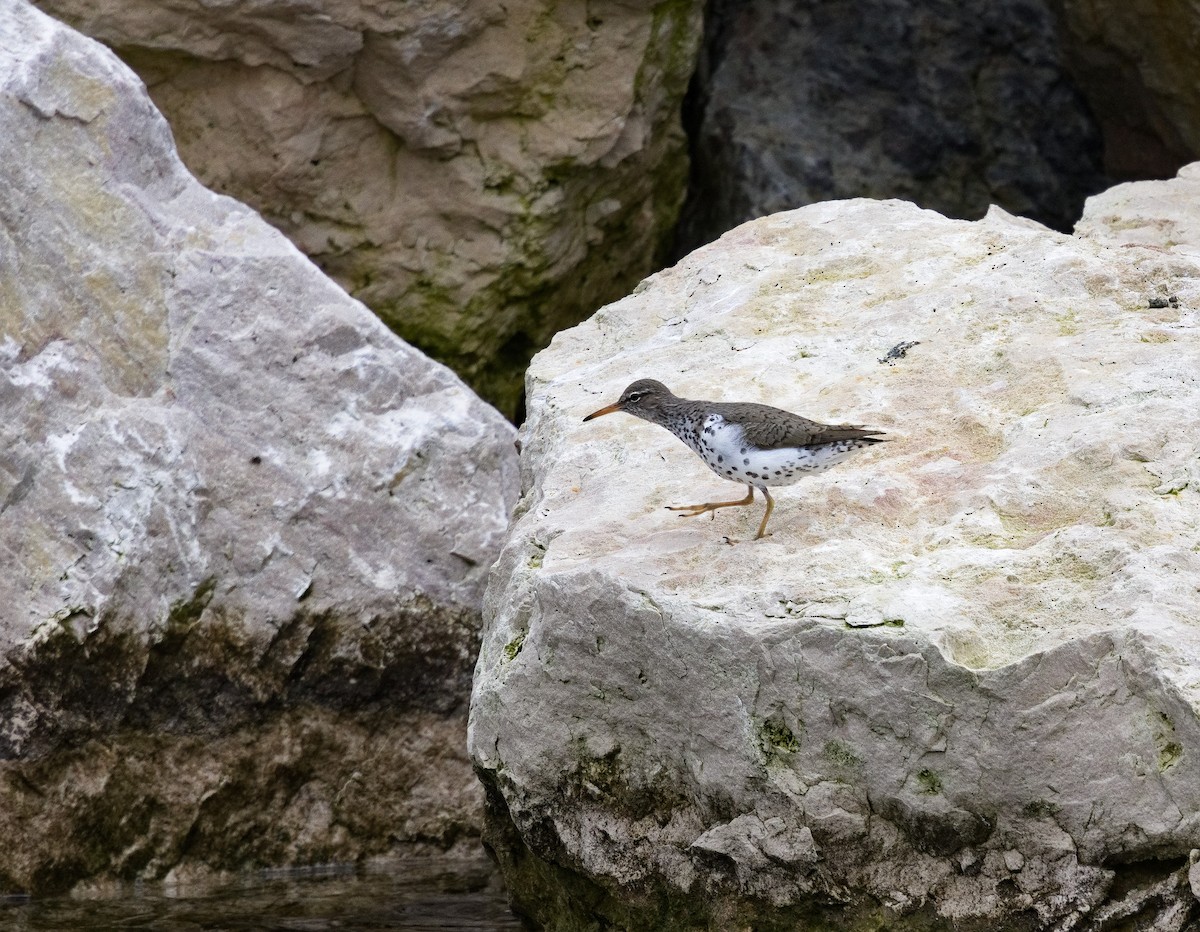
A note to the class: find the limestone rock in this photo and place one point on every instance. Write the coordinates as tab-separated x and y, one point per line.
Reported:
480	174
1148	216
1018	738
246	528
952	105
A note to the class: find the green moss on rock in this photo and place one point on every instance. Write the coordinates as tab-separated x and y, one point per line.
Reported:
775	737
513	647
841	753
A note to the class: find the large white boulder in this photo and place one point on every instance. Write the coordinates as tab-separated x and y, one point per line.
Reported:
481	174
245	528
961	676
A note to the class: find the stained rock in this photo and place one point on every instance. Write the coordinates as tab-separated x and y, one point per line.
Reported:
246	527
1021	742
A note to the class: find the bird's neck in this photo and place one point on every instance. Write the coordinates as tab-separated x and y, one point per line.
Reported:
681	416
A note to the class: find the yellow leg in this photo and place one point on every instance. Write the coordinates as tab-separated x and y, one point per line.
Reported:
692	510
762	528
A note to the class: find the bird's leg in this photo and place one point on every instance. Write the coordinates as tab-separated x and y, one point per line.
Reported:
692	510
762	528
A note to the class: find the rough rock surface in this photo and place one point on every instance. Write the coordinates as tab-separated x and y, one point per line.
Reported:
1135	61
960	681
952	105
245	528
480	174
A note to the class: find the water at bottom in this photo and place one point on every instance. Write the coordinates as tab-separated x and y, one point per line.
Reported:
414	896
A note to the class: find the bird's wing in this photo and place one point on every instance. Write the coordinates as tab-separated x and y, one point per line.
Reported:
770	428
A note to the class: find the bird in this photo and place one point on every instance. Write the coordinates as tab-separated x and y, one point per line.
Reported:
742	441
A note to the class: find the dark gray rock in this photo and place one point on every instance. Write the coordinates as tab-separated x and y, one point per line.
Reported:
1135	61
953	106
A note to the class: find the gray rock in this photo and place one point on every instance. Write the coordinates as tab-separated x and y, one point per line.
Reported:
1020	740
246	528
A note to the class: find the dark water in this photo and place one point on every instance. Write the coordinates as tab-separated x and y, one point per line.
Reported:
423	895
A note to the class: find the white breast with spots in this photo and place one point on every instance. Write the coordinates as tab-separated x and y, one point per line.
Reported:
725	451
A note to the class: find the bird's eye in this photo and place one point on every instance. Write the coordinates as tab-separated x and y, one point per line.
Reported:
636	396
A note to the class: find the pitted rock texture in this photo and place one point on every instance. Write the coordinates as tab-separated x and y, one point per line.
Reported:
959	684
952	105
480	174
246	528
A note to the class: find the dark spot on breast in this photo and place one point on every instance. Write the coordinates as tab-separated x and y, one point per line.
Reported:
720	459
743	451
745	462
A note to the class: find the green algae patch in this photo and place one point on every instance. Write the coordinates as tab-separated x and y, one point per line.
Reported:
629	793
774	737
186	612
1169	749
841	754
513	647
930	782
1041	809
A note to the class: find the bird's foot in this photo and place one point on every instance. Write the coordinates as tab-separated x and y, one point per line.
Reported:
739	540
690	511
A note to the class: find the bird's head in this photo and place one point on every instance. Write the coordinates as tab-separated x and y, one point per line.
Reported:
641	397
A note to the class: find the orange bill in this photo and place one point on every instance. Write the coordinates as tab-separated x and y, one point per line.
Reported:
608	409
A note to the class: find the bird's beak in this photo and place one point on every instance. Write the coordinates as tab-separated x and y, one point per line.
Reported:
608	409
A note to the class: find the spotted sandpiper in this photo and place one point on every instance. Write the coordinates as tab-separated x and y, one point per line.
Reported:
746	442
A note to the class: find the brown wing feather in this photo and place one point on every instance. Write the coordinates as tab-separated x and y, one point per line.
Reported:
769	428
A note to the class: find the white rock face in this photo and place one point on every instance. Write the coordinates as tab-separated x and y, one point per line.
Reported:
481	174
963	672
227	493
